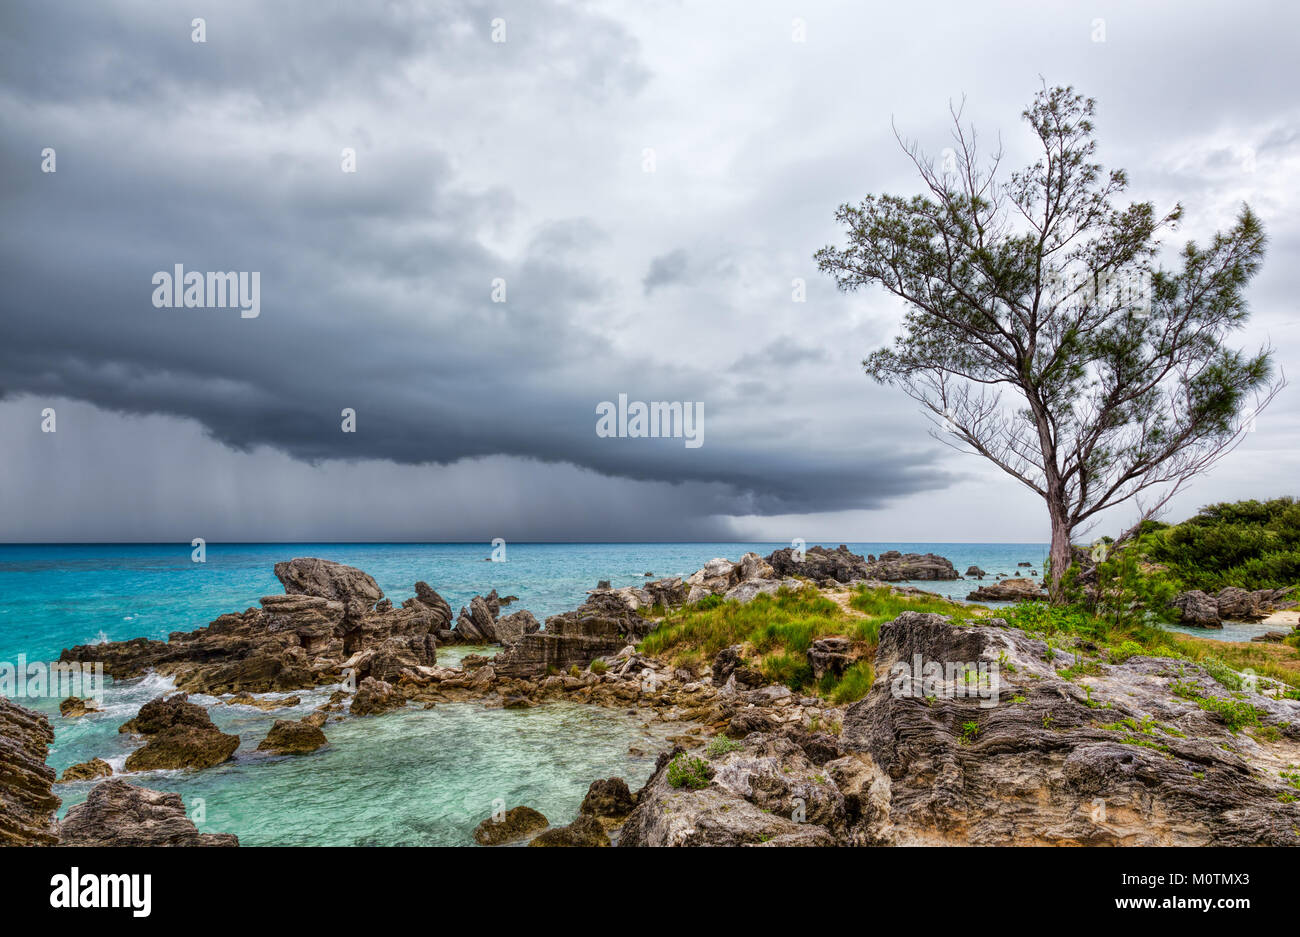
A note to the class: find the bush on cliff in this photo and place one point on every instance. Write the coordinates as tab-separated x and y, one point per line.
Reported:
1248	544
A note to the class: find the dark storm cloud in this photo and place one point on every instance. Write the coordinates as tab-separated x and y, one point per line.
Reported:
375	286
518	162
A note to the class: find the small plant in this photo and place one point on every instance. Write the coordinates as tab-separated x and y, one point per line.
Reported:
1126	650
970	731
575	671
689	771
599	667
721	745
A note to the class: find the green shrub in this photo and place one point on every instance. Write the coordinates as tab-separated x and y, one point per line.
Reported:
689	771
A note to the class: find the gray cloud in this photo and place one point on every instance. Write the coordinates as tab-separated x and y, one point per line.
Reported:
519	161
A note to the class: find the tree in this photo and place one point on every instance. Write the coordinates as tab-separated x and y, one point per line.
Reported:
1120	385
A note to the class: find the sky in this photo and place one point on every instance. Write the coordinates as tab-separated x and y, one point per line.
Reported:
644	185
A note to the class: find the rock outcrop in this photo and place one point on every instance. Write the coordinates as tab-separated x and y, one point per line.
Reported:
515	824
608	800
1008	590
304	638
374	697
819	564
75	707
179	734
27	801
1230	604
601	626
288	737
120	814
584	831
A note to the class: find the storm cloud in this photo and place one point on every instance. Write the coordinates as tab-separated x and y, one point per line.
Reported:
503	260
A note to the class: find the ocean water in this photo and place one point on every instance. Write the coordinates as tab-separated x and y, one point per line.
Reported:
417	777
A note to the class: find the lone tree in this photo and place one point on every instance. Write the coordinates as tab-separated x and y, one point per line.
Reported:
1120	380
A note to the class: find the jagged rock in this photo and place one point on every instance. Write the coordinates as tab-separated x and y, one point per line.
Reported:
749	720
393	657
1008	590
1129	762
751	800
356	590
746	592
27	801
179	734
893	566
584	831
266	705
976	572
1241	605
288	737
477	624
293	641
601	626
430	599
724	662
753	566
511	629
87	771
374	697
1197	608
608	799
830	655
669	593
517	823
120	814
819	563
74	707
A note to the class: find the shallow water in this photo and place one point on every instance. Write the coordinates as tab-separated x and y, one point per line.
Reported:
413	777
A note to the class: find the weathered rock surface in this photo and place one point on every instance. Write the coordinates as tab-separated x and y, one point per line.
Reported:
1131	764
515	824
120	814
830	655
584	831
601	626
975	572
819	564
87	771
304	638
511	629
893	566
27	801
1008	590
1197	608
288	737
74	707
179	734
608	799
374	697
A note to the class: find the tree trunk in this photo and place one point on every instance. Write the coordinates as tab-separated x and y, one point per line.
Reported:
1059	557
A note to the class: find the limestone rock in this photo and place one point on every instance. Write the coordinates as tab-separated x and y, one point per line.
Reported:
74	707
584	831
1008	590
120	814
517	823
288	737
179	734
27	801
374	697
608	799
87	771
1197	608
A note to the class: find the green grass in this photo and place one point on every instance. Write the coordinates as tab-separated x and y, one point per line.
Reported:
688	771
777	630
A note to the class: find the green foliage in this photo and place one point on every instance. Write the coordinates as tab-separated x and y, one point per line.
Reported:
721	745
599	667
689	771
1248	544
854	685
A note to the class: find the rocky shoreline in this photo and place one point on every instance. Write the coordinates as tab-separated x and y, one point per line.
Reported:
754	764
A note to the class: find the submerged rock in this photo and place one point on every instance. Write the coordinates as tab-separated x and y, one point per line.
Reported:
27	800
74	707
120	814
515	824
608	800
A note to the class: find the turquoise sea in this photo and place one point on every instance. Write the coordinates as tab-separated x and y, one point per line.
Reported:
417	777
